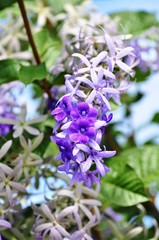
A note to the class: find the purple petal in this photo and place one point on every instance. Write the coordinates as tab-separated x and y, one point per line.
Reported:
77	137
123	66
101	56
56	111
94	145
84	148
87	164
60	116
54	234
91	96
94	77
75	115
4	223
92	113
91	132
109	74
100	167
107	154
124	52
73	128
83	106
110	45
83	58
83	123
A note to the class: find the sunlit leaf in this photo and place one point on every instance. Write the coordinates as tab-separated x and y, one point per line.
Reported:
135	22
49	50
28	74
123	189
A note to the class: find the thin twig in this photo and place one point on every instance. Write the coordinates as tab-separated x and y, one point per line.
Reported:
32	43
29	32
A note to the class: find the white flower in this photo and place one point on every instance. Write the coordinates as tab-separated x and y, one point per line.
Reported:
12	34
44	13
49	223
8	180
81	203
23	124
28	158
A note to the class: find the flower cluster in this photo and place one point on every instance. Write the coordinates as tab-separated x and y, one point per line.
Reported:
53	218
79	140
99	75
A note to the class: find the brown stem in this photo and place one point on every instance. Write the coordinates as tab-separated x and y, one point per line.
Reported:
32	43
28	30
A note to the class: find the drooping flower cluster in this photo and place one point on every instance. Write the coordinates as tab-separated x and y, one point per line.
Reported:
79	140
100	74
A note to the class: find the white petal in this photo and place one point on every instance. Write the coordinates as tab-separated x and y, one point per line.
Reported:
32	130
5	168
66	125
87	164
17	186
46	210
18	132
66	211
4	149
37	141
83	58
8	121
23	142
65	192
91	202
37	120
62	230
86	211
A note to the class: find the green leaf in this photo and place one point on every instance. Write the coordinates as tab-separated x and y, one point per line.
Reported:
6	3
124	189
140	21
155	118
144	161
9	70
28	74
141	76
49	50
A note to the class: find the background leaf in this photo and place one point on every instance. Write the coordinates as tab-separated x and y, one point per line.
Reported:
6	3
144	161
9	70
49	50
124	189
135	22
28	74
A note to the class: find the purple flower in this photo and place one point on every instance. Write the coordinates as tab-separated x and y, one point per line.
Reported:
95	155
90	177
63	110
81	131
83	110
